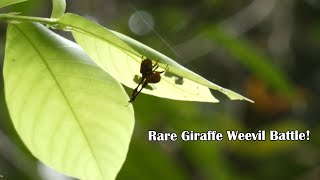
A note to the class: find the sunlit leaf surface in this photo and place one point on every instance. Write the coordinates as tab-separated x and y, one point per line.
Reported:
68	112
58	8
122	59
4	3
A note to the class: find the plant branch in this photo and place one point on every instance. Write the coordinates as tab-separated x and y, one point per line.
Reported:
17	18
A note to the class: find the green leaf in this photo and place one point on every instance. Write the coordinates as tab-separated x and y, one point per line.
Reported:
58	8
4	3
68	112
120	56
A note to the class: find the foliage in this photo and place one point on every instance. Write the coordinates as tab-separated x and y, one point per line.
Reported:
267	50
70	114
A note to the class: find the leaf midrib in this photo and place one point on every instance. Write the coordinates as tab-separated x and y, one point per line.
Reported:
64	96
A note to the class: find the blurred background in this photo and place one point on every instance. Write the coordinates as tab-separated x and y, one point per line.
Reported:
267	50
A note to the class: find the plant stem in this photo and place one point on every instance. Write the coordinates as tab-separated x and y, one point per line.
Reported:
13	17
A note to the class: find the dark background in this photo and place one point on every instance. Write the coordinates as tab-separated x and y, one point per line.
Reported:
267	50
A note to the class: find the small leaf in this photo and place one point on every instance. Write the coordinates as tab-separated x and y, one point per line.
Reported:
120	56
58	8
68	112
4	3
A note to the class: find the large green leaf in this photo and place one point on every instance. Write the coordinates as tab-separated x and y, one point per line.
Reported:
4	3
120	56
68	112
58	8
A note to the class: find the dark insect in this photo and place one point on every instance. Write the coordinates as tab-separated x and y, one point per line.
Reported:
149	75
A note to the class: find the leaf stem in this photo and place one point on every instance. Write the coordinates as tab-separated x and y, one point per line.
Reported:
13	17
